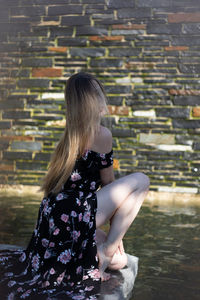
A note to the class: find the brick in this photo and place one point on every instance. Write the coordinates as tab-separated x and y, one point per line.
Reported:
88	30
42	156
11	155
191	28
126	13
184	17
58	49
121	4
5	125
118	110
156	139
31	83
37	62
118	89
173	112
115	164
106	38
189	68
164	29
119	51
187	124
131	26
127	32
196	146
153	3
64	10
31	146
75	20
16	115
183	92
72	41
176	48
87	52
28	11
4	144
122	132
61	32
13	28
196	111
30	166
16	137
6	167
185	41
106	63
47	72
8	104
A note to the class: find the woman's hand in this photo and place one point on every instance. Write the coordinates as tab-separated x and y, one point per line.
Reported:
120	249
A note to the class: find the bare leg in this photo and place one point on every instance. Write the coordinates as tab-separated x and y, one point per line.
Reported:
121	201
119	259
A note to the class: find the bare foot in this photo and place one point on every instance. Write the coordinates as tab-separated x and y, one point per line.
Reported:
104	261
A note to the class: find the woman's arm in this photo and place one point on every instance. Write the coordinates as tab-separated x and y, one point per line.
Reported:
107	175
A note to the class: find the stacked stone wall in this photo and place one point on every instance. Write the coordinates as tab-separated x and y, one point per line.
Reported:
147	55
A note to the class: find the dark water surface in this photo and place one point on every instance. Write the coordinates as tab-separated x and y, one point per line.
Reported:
165	238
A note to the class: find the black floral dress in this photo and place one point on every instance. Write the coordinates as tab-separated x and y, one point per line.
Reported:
60	261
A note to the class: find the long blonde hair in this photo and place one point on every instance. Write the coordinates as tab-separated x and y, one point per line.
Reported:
85	99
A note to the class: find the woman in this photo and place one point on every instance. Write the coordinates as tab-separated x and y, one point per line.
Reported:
66	255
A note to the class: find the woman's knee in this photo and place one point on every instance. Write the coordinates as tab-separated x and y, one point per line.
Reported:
143	181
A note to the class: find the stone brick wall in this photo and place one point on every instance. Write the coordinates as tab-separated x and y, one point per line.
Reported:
145	52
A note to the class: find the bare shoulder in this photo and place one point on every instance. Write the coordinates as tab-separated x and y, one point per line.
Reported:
103	142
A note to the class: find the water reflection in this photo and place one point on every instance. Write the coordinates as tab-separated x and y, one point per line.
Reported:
165	238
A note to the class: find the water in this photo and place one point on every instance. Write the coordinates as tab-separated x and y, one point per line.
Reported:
165	238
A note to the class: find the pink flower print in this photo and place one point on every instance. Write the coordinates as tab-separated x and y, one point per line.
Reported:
68	228
79	270
78	297
89	195
75	176
73	185
11	296
64	218
60	277
84	243
52	271
20	289
104	162
102	155
78	202
90	225
25	294
80	255
47	254
45	243
51	223
65	256
22	257
45	284
59	197
81	194
73	213
92	185
56	231
86	216
75	235
8	274
89	288
11	283
80	216
85	277
35	262
52	244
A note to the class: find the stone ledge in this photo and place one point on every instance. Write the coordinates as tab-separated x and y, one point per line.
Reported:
165	195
